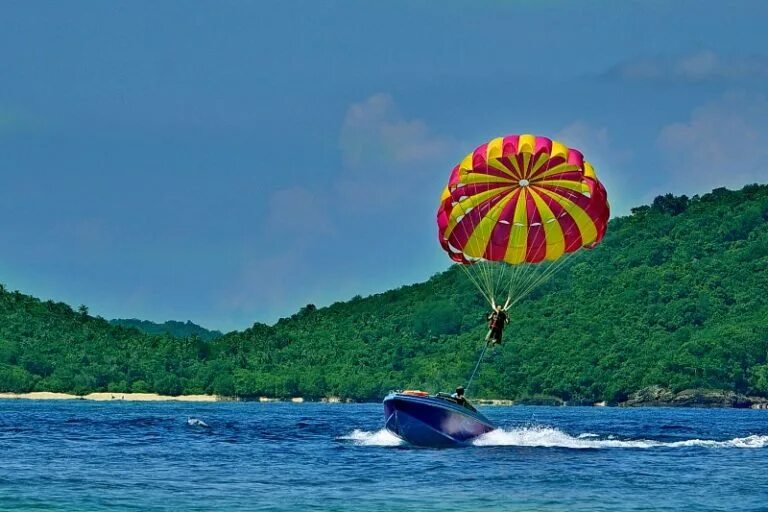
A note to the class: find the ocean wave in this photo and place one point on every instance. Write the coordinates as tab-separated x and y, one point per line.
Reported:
378	438
548	437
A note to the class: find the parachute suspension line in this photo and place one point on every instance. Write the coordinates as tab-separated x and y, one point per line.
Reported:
519	274
540	278
500	274
532	275
486	273
490	280
474	281
487	277
522	270
478	278
493	280
477	365
510	285
481	276
518	287
495	272
527	285
547	270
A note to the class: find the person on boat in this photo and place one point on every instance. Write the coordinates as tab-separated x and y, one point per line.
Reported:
459	395
497	320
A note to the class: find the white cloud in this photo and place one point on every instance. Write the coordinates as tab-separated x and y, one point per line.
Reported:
374	133
585	137
608	158
724	143
298	220
387	158
701	66
389	162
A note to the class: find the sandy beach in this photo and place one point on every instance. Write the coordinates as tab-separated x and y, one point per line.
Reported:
136	397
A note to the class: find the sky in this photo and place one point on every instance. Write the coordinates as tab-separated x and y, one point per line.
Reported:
229	162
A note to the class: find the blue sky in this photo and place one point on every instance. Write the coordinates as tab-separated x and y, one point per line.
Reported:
230	162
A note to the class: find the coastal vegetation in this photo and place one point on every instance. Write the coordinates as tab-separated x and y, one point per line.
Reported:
676	296
172	327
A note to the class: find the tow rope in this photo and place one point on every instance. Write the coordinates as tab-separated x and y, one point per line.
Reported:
477	365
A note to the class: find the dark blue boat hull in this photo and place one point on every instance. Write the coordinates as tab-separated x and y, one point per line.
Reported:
433	421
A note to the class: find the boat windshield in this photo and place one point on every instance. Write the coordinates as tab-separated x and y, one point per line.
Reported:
465	403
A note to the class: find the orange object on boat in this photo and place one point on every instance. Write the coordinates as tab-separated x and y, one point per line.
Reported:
415	392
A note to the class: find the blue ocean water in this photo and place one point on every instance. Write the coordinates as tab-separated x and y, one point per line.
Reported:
78	455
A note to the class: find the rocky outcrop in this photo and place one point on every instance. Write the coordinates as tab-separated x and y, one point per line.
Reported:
657	396
711	398
652	396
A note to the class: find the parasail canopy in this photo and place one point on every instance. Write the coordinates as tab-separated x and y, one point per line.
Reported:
524	202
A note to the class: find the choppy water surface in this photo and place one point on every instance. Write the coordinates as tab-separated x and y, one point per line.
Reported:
249	456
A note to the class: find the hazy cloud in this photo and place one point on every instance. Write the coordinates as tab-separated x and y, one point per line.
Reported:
11	122
387	158
375	132
264	282
585	137
298	211
274	271
609	158
724	143
701	66
90	234
388	162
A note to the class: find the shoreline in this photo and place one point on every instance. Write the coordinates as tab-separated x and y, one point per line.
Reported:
748	403
109	397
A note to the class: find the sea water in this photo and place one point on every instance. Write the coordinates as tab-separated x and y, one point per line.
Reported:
79	455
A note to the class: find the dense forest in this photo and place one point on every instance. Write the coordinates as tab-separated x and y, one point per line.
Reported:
172	327
676	295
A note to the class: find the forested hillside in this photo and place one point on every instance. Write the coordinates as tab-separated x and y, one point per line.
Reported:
172	327
676	295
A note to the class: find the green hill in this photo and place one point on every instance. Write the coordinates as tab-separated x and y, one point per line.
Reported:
676	295
172	327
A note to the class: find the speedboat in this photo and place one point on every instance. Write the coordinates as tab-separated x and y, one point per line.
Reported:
437	421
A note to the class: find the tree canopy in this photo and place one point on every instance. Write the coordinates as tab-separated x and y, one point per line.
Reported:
172	327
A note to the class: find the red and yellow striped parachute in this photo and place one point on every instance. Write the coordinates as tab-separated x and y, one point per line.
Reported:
515	208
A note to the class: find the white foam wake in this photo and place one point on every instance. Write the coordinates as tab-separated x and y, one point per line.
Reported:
548	437
378	438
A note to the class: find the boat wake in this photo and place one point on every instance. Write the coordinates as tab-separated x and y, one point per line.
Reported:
548	437
378	438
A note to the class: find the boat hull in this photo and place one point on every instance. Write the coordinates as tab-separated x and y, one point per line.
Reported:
432	421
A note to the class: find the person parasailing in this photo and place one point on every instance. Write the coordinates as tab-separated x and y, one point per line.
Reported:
497	320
